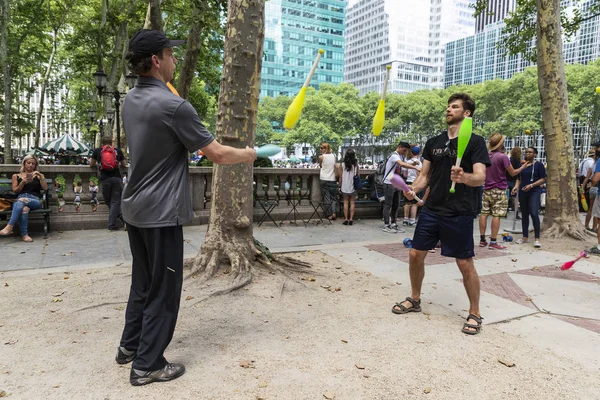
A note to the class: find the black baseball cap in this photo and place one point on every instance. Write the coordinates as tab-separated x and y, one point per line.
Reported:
146	42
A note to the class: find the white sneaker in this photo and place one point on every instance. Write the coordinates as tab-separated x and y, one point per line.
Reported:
537	244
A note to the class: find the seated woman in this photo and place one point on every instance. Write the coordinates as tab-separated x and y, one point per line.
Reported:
27	184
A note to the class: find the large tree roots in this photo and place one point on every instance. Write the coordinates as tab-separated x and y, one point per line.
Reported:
560	227
238	259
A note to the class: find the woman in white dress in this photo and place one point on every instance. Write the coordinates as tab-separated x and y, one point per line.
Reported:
350	169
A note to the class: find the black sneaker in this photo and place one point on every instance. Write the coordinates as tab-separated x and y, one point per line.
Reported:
168	373
122	356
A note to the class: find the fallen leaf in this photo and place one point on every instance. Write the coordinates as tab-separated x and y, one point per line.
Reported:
11	342
359	366
337	289
507	363
57	300
247	364
310	279
66	277
58	294
262	385
189	297
325	286
338	267
528	299
329	395
6	284
3	393
513	259
427	391
56	386
344	341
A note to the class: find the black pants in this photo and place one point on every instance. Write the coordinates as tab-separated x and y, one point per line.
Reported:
156	281
112	189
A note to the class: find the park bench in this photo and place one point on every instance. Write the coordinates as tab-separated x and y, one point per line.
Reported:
6	192
363	199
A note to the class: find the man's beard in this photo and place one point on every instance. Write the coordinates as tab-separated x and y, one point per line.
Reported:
453	120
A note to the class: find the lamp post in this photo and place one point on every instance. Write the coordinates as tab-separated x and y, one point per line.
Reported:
100	81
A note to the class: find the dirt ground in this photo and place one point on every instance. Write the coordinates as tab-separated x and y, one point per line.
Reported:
301	339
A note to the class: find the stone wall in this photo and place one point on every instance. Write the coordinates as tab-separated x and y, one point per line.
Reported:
303	184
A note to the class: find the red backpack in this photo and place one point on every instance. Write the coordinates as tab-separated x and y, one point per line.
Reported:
108	158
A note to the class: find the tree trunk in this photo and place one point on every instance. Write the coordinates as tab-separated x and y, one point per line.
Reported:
562	215
154	16
38	120
192	50
229	237
6	72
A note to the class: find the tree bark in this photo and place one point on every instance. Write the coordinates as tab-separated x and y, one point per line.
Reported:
6	72
562	217
229	237
192	50
38	120
154	16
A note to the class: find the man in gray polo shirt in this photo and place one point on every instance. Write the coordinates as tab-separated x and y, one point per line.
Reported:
162	129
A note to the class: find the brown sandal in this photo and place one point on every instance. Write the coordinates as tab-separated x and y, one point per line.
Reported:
477	327
399	308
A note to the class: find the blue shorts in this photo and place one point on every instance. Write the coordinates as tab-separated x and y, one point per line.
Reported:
455	233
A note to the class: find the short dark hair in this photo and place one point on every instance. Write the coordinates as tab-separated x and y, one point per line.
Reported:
141	64
467	101
534	150
106	140
404	144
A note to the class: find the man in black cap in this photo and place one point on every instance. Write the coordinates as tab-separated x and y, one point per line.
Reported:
162	129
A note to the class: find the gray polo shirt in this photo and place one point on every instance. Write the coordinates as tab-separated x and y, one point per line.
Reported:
162	129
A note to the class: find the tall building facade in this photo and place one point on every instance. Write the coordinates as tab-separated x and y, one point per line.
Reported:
408	35
295	30
496	11
476	59
449	20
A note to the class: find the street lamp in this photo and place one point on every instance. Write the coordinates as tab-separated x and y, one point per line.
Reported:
100	80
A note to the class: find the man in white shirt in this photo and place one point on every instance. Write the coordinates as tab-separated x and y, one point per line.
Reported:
395	163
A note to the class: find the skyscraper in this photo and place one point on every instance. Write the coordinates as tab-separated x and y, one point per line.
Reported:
449	20
294	32
408	35
496	11
476	59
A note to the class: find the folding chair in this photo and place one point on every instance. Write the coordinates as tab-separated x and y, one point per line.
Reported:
268	206
319	214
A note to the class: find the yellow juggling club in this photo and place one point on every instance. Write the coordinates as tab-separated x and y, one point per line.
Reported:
295	109
172	88
379	118
598	89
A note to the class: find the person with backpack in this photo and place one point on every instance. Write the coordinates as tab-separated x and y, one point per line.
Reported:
395	163
109	159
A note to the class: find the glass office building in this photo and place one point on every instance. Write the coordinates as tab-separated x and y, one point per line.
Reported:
294	32
476	59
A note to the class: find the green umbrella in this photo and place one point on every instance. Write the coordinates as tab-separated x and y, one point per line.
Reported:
66	144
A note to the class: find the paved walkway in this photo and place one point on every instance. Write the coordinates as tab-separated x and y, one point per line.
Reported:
524	292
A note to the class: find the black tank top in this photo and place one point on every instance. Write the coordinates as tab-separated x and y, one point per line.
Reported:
34	187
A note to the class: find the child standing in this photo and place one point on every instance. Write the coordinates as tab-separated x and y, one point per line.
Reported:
410	207
77	202
94	193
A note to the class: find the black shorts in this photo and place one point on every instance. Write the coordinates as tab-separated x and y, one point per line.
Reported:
455	233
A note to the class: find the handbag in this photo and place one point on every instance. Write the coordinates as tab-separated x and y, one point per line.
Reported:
357	182
5	205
